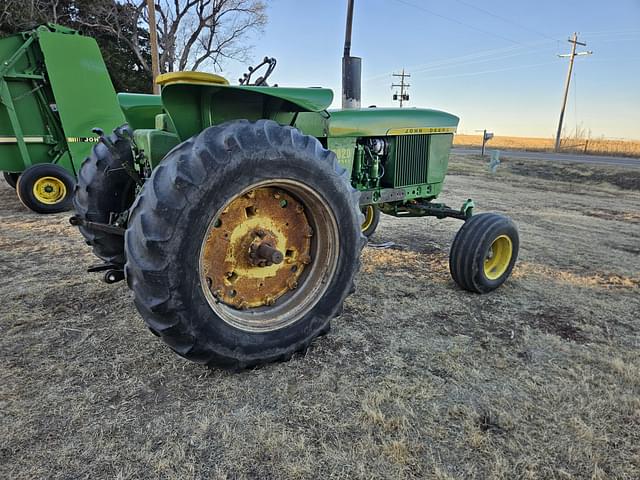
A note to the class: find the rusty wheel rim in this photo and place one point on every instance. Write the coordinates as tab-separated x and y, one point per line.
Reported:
268	255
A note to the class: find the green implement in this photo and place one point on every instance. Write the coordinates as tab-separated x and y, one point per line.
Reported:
54	90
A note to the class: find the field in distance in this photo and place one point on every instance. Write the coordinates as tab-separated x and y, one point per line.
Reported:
624	148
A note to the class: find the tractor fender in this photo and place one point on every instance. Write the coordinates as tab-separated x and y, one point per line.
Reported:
193	107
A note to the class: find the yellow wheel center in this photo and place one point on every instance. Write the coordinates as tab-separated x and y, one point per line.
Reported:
264	219
498	258
369	215
49	190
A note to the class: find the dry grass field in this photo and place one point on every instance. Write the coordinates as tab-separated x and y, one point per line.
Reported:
594	146
537	380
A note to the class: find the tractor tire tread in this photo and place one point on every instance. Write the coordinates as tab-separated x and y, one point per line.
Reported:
103	188
469	246
152	227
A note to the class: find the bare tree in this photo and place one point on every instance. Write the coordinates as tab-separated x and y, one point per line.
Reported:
191	33
205	32
24	14
124	43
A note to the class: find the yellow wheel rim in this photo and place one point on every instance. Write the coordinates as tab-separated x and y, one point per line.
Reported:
498	258
253	290
49	190
369	214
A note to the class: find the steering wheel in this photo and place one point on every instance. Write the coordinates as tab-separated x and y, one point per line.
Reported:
261	81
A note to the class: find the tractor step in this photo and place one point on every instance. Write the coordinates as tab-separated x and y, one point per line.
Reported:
78	221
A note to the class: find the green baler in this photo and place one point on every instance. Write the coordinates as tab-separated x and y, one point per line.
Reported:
54	90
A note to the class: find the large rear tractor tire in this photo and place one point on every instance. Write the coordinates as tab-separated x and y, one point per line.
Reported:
371	219
484	252
243	244
46	188
11	178
105	190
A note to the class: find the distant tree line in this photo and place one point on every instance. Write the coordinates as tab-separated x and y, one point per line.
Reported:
192	34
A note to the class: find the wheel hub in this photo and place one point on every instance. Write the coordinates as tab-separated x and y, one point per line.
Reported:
49	190
262	251
498	257
257	249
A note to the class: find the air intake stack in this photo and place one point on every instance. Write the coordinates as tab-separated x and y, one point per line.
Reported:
351	68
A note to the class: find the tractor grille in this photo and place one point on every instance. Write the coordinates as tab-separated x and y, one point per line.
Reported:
412	156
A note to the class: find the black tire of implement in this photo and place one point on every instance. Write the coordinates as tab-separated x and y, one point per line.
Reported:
374	224
27	179
104	187
11	178
470	247
172	213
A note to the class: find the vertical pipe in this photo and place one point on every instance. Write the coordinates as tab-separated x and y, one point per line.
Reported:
347	34
484	140
351	67
153	40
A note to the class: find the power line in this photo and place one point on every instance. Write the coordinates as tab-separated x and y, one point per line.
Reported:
475	57
431	12
609	32
499	17
519	67
482	72
466	63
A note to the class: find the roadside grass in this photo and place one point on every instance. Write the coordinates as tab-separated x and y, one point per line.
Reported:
538	380
575	144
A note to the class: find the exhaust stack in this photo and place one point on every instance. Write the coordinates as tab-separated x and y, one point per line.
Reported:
351	68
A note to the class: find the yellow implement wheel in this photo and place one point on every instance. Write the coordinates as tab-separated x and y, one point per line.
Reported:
46	188
498	258
49	190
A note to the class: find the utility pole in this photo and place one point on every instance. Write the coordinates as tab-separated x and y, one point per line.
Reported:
403	86
153	40
574	41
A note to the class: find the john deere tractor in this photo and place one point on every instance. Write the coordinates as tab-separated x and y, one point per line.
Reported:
237	221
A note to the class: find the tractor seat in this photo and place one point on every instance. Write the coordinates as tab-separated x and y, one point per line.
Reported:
197	78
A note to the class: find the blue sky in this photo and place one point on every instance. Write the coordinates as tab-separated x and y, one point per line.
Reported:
493	62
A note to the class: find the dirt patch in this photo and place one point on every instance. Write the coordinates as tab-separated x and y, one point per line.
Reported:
608	214
629	179
562	323
623	148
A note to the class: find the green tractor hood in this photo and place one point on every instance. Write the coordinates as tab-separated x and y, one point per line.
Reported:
369	122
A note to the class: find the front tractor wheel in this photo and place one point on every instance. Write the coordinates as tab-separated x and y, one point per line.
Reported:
484	252
243	244
371	219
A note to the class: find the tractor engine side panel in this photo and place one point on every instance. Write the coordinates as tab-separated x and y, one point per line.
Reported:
417	159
